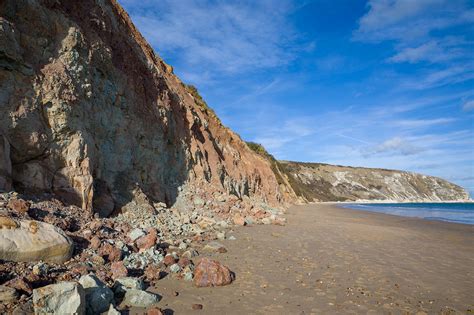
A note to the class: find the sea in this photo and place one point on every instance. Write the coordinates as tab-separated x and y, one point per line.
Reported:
450	212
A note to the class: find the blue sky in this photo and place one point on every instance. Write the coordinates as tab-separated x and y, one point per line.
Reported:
387	83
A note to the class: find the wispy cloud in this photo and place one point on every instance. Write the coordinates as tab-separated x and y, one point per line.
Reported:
395	145
408	21
468	105
422	32
229	37
419	123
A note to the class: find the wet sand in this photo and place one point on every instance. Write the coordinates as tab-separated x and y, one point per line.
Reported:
329	260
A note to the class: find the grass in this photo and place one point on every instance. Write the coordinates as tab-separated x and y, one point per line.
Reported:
200	101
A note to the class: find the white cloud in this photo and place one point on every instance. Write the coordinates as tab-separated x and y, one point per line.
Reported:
228	37
468	105
422	31
421	123
408	20
395	145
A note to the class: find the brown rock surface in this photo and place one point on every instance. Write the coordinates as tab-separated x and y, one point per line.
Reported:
210	273
147	241
91	113
118	270
18	205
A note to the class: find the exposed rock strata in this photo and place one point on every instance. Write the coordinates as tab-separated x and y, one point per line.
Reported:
88	111
323	182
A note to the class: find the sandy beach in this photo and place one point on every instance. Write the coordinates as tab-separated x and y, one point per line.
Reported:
329	260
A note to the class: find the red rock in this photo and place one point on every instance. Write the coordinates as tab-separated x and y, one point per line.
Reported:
197	306
210	273
239	220
147	241
95	243
110	252
80	269
152	273
20	284
260	215
183	262
169	260
118	270
96	225
19	205
154	311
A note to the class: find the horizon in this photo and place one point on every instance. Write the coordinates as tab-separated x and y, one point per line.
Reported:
384	84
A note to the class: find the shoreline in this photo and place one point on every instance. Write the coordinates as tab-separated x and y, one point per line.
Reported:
387	201
334	260
344	206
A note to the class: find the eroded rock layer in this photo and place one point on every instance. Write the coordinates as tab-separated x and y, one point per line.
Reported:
89	112
324	182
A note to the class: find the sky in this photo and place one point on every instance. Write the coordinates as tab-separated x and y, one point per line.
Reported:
386	83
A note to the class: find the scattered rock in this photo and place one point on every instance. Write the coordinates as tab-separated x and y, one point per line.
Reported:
175	268
215	247
112	311
239	220
98	295
60	298
266	221
169	260
20	284
279	221
220	235
118	270
110	252
197	306
95	243
209	273
7	294
121	285
190	253
35	241
153	273
154	311
183	262
40	269
136	234
18	205
25	308
249	221
139	298
183	246
188	273
147	241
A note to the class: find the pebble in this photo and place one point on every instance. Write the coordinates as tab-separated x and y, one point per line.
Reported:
197	306
136	234
175	268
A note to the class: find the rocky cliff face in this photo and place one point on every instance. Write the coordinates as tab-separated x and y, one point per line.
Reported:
323	182
88	111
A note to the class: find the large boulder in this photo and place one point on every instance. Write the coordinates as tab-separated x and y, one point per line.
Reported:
60	298
98	295
33	241
210	273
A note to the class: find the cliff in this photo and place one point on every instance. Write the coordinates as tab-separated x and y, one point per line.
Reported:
324	182
90	113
